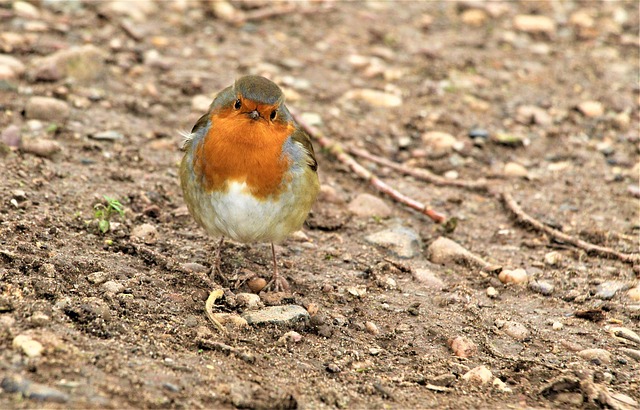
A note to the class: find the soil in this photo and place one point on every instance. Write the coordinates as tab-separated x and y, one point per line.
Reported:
121	315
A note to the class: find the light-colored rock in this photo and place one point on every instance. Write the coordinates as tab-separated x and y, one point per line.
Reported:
98	278
438	142
10	67
289	337
367	205
371	328
108	135
478	375
374	98
11	136
557	325
256	284
634	294
401	241
591	108
515	170
492	292
138	10
82	63
501	386
249	300
553	258
146	233
600	355
312	118
225	11
428	278
28	346
531	114
47	109
581	18
516	330
444	251
607	290
530	23
26	10
113	287
474	17
516	276
542	287
463	347
278	315
41	147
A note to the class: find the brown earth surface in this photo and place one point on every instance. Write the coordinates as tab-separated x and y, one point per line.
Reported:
544	108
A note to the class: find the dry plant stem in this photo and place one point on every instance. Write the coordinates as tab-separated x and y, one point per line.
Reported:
513	206
337	150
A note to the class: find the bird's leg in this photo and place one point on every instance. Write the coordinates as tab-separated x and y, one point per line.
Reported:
279	283
215	267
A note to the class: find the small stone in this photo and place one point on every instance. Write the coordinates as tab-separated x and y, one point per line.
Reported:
374	98
11	136
41	147
33	391
513	169
542	287
200	103
19	195
463	347
256	284
492	292
98	278
82	63
112	287
530	23
39	319
516	276
553	258
10	67
402	242
371	328
367	205
511	140
474	17
329	194
478	375
30	347
194	267
428	278
146	233
289	337
444	251
26	10
109	135
582	19
599	355
333	368
591	109
225	11
530	114
634	294
478	133
249	300
47	109
278	315
231	319
438	142
516	330
501	386
607	290
357	291
557	325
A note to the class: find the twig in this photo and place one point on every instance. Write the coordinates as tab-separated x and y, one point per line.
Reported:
338	151
423	174
522	216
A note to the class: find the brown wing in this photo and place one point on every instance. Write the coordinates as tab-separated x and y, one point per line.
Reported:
303	139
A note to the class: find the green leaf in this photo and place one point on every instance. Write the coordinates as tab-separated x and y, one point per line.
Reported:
103	225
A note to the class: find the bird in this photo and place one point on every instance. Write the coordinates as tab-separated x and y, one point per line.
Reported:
249	172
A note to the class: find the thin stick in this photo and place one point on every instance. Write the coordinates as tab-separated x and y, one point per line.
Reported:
338	151
522	216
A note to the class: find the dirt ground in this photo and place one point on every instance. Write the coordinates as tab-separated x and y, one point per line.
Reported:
544	107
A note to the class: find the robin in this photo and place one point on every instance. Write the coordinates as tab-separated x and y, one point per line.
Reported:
249	171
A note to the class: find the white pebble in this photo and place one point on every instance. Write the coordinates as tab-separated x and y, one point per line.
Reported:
517	276
478	375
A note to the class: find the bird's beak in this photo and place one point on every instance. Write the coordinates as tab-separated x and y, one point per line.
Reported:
254	115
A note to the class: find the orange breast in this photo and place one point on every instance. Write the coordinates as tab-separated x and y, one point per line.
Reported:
237	148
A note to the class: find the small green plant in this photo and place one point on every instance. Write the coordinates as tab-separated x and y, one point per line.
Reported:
103	213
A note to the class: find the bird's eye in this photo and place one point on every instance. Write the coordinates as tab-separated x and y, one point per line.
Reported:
238	104
273	115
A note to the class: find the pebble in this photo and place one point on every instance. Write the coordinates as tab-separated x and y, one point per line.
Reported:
194	267
553	258
478	375
542	287
371	328
517	276
444	251
516	330
374	98
231	319
591	109
41	147
109	135
402	242
501	386
290	337
47	109
30	347
607	290
513	169
98	278
249	300
478	133
600	355
10	67
367	205
82	63
278	315
530	23
112	287
557	325
31	390
512	140
26	10
634	294
463	347
146	233
438	142
531	114
428	278
474	17
256	284
492	292
11	136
